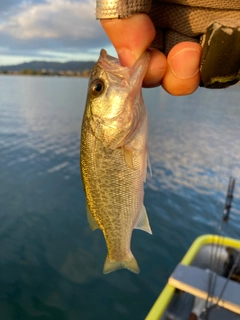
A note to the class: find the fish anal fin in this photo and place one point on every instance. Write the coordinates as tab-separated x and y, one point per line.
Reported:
143	223
128	156
92	223
130	264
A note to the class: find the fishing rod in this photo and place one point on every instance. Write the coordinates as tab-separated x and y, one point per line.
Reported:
229	199
210	308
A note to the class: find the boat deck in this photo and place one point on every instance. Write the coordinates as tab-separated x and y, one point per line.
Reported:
197	281
181	305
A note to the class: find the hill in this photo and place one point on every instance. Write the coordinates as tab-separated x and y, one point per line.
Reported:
74	66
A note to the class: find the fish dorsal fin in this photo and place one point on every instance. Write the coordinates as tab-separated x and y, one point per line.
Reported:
92	223
143	223
128	156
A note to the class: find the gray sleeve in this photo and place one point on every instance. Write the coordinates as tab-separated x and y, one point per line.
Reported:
109	9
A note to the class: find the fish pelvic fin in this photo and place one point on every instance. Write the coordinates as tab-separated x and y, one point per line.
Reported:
143	223
130	264
92	223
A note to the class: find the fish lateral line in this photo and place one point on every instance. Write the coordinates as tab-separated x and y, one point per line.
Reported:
113	156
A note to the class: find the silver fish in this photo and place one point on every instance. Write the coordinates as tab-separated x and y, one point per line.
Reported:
113	156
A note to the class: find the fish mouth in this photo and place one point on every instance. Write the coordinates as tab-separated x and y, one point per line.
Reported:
112	64
104	55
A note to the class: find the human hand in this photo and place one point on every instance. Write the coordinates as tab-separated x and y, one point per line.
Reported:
178	73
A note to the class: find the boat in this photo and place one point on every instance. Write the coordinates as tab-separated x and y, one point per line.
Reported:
205	284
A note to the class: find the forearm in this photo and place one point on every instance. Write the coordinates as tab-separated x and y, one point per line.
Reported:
110	9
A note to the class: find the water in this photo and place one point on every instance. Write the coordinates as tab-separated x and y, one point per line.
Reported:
50	261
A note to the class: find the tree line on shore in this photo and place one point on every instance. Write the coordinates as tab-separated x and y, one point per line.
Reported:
44	72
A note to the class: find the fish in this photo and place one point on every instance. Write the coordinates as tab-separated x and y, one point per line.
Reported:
113	156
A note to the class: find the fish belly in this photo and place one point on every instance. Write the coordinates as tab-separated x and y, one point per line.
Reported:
114	193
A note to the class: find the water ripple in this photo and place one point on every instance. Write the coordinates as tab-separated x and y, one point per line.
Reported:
51	262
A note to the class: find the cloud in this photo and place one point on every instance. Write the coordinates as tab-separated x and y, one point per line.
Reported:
53	19
10	7
39	26
6	5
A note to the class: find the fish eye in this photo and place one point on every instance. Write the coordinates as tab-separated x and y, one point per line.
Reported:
96	88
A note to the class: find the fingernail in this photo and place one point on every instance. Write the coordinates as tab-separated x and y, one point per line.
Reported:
185	63
126	57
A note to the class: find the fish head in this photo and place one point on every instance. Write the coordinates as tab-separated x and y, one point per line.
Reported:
114	102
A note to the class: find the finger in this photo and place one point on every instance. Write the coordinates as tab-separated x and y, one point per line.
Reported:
156	69
130	36
182	76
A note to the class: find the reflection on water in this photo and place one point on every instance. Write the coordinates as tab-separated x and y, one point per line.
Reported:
51	262
195	137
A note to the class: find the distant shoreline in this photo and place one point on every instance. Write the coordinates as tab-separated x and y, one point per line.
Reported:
45	68
44	73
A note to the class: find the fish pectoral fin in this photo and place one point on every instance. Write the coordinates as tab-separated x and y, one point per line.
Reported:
130	264
128	156
92	223
143	223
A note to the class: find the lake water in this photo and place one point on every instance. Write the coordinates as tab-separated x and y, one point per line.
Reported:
50	261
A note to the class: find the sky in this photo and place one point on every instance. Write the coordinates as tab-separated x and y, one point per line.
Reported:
50	30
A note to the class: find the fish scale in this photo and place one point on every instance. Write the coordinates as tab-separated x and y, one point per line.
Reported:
113	156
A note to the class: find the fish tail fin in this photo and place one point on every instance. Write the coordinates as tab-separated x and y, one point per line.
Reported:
130	264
